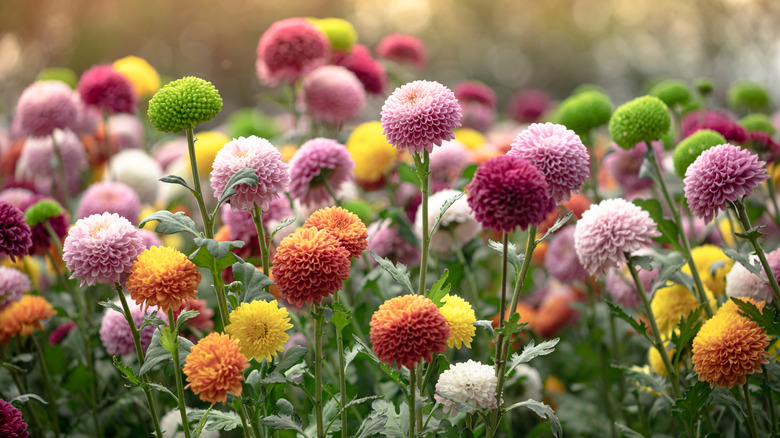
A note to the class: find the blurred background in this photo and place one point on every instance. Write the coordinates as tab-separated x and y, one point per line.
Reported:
556	45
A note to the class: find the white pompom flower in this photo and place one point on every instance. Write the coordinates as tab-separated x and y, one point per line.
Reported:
471	383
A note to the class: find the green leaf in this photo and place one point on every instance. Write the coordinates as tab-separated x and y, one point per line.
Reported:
405	228
382	366
155	354
466	176
356	401
171	223
627	431
397	425
543	411
753	233
688	328
79	379
202	258
372	426
438	290
724	397
690	406
175	179
514	259
649	380
407	174
291	357
245	176
218	249
128	372
668	229
24	398
217	420
444	207
253	282
669	270
561	221
767	319
285	407
639	326
184	317
350	354
284	224
283	422
531	351
398	272
511	325
112	305
745	261
341	316
487	325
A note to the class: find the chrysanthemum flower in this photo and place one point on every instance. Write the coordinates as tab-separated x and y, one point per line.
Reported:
203	320
671	92
340	33
12	424
674	302
163	277
746	94
289	49
419	115
559	155
715	121
460	318
140	73
214	367
259	328
44	107
59	333
369	72
125	131
403	49
317	161
713	265
624	165
477	116
23	316
472	91
105	88
207	146
257	154
333	94
448	162
528	106
656	361
721	174
115	334
407	329
184	103
609	230
13	284
386	241
645	118
471	383
309	265
692	146
110	197
372	154
139	171
741	283
622	289
40	212
15	234
727	348
38	160
508	192
458	219
585	111
561	260
346	227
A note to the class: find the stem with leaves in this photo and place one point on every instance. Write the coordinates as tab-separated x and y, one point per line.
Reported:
752	235
173	339
749	416
257	217
318	315
49	389
421	164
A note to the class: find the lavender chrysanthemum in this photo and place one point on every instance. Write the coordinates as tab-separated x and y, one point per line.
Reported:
609	230
419	115
385	240
623	291
38	160
258	154
13	284
508	192
12	424
110	197
561	261
15	234
101	249
317	161
44	107
115	332
448	162
558	153
721	174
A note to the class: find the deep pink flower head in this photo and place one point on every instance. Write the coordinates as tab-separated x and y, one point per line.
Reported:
477	116
471	91
721	174
561	260
289	49
419	115
623	291
448	162
773	258
44	107
12	424
105	88
13	284
403	49
115	333
763	143
255	153
369	72
528	106
111	197
718	122
203	320
333	94
558	153
610	229
60	333
624	165
385	240
319	160
15	234
508	192
16	195
101	249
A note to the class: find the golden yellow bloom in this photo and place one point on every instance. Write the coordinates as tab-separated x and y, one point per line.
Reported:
372	154
287	152
23	316
163	277
713	265
460	317
725	230
657	362
140	73
472	139
215	366
673	302
259	328
206	148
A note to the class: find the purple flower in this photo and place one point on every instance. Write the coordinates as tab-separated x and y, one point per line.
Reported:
561	260
477	116
624	165
13	284
44	107
317	161
387	242
508	192
101	249
15	234
37	162
105	88
149	238
448	162
12	424
115	332
609	230
333	94
718	122
110	197
419	115
721	174
622	290
559	155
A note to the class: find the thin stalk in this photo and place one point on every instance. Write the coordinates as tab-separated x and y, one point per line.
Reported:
342	383
257	217
594	176
177	373
332	192
770	402
616	353
49	389
318	317
412	394
256	429
61	173
502	305
421	165
749	417
744	220
605	396
474	294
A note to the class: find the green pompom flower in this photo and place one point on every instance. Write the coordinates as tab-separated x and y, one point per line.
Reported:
341	33
41	212
585	111
672	92
61	74
690	148
645	118
184	103
758	122
748	95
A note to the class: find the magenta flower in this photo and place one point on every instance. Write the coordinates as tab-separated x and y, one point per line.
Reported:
115	332
471	91
559	155
419	115
44	107
60	333
508	192
13	284
101	249
609	230
15	234
624	165
528	106
386	241
718	122
289	49
403	49
369	72
255	153
721	174
561	260
12	424
317	161
111	197
105	88
333	94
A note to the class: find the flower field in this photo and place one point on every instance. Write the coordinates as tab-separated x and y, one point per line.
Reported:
383	254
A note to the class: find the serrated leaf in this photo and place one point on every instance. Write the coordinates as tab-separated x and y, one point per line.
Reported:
284	224
543	411
531	351
356	401
285	407
152	321
253	282
350	354
514	259
113	306
407	174
649	380
245	176
218	249
690	406
128	372
160	388
24	398
561	221
382	366
175	179
639	326
511	326
217	420
372	426
291	357
444	207
438	290
155	353
341	317
283	422
184	317
397	425
487	325
295	371
753	233
688	327
171	223
399	272
744	260
724	397
765	319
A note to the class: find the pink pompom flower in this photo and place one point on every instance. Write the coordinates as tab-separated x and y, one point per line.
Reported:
317	161
115	333
333	94
289	49
15	234
369	72
403	49
105	88
561	260
13	284
471	91
44	107
111	197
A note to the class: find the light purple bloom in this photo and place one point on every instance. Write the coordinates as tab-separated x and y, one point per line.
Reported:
110	197
448	162
13	284
561	260
319	160
333	94
44	107
115	332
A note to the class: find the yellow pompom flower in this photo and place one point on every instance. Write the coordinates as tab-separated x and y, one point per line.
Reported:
673	302
163	277
461	318
260	329
140	73
472	139
713	265
206	148
372	154
657	362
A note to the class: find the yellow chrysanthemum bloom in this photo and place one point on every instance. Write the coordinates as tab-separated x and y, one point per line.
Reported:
724	225
140	73
470	138
23	316
287	152
260	329
460	317
657	362
673	302
713	265
372	154
163	277
206	148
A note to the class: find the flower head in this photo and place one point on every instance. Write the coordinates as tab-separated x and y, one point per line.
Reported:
214	367
675	302
12	424
36	163
24	316
44	107
458	220
115	333
140	73
528	106
341	33
741	283
623	291
372	154
460	318
472	91
692	146
561	260
317	161
369	72
289	49
346	227
645	118
715	121
470	383
448	162
13	284
110	197
508	192
105	88
387	242
40	216
257	154
609	230
403	49
559	155
260	329
671	92
309	265
419	115
407	329
745	94
333	94
585	111
139	171
164	277
15	234
713	265
721	174
184	103
758	122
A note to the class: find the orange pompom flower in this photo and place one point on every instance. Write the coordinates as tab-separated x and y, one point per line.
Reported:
407	329
214	367
23	316
164	277
309	265
345	226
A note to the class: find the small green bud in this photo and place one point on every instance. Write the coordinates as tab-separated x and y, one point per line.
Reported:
672	92
758	122
690	148
341	33
585	111
42	211
704	86
645	118
748	95
184	103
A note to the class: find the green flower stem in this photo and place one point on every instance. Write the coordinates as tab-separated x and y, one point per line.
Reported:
332	192
177	372
502	305
342	383
49	389
318	317
255	422
744	220
749	416
770	401
771	189
257	217
140	355
412	393
473	291
421	165
605	393
61	172
702	295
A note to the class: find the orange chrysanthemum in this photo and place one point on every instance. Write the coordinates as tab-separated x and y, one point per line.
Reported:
309	265
23	316
407	329
214	367
728	347
344	225
164	277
